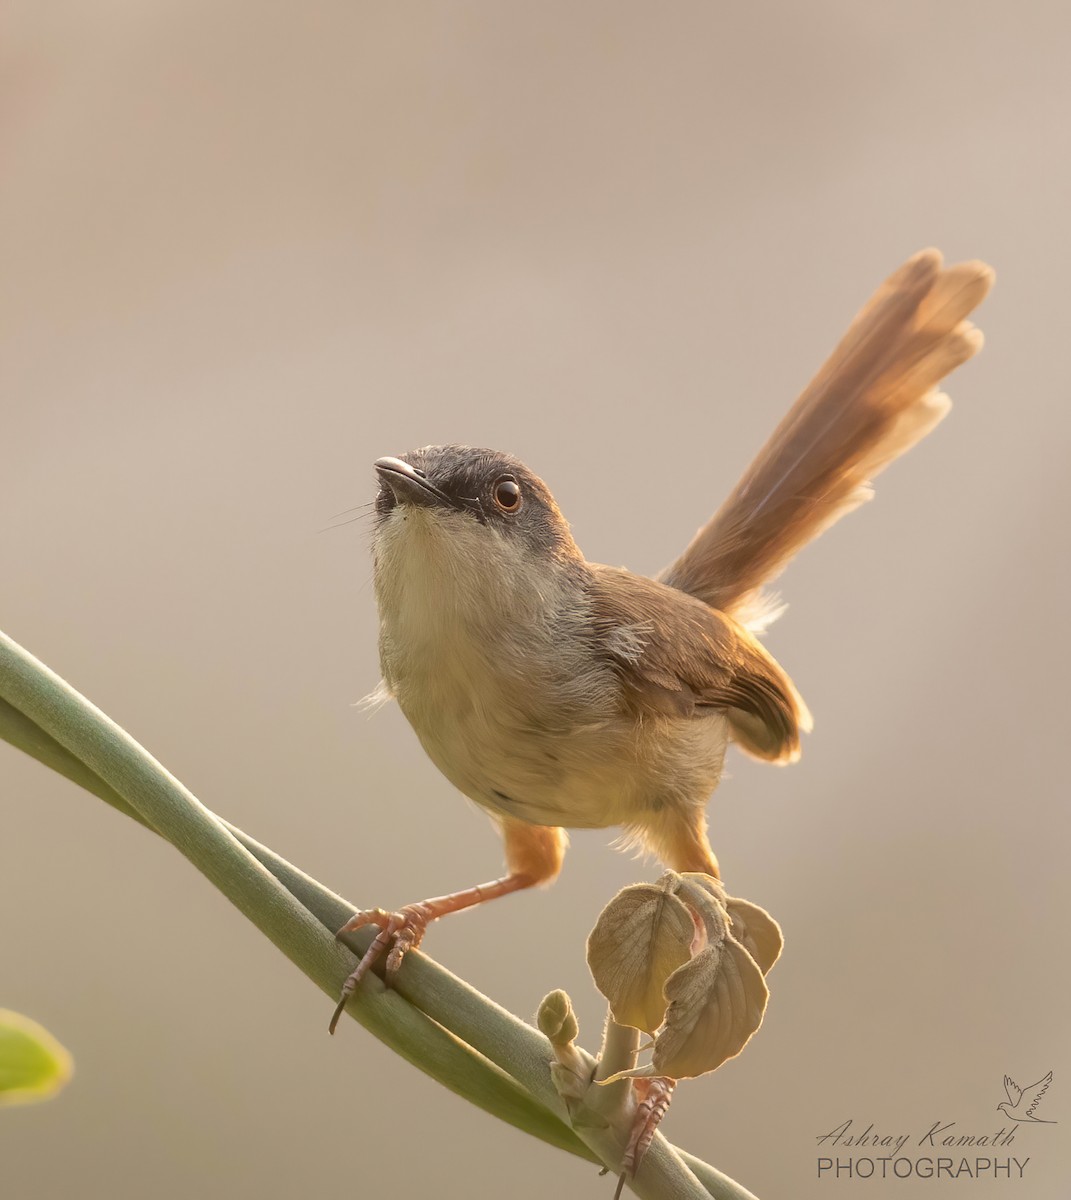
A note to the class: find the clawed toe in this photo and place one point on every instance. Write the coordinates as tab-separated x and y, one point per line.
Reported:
401	930
654	1096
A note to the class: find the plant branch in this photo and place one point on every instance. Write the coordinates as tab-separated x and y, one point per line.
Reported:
438	1022
164	805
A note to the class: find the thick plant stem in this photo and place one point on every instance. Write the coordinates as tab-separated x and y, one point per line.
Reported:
164	805
471	1044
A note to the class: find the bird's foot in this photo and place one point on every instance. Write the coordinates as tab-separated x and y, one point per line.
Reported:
653	1096
401	930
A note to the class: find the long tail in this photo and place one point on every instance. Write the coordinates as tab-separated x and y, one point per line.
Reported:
874	398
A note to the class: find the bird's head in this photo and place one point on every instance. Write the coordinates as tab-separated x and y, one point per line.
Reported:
472	523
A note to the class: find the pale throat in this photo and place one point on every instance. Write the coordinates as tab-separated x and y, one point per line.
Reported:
447	585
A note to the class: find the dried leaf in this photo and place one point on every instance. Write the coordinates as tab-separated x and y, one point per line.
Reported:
716	1002
752	926
640	939
705	895
756	931
711	1004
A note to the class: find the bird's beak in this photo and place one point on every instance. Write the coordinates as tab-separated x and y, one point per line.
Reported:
410	485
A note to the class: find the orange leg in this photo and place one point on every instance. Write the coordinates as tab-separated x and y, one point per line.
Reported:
534	855
679	838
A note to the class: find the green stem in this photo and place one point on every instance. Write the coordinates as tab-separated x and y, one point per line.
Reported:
161	803
438	1022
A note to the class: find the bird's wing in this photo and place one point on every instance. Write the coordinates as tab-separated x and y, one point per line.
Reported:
1034	1091
1013	1090
675	656
874	398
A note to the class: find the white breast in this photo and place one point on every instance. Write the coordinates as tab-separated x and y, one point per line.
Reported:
490	659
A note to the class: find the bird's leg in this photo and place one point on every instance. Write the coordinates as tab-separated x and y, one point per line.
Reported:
653	1097
406	927
679	838
533	854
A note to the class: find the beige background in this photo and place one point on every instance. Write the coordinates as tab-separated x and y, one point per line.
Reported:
246	249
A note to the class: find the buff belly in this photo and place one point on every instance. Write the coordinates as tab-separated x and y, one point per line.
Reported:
493	667
583	774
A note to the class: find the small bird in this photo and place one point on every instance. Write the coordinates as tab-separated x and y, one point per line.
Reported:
1021	1102
560	694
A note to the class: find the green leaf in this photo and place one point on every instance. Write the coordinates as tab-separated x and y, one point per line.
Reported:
33	1065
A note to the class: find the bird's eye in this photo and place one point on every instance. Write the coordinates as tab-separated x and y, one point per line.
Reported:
507	494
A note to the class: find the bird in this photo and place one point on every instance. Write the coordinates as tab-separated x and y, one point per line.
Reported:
558	693
1021	1102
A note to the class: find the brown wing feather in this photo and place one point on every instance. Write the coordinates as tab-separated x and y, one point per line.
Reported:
675	655
873	399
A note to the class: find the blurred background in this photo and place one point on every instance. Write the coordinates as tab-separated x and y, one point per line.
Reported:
248	248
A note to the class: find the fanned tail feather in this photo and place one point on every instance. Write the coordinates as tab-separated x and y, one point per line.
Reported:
872	400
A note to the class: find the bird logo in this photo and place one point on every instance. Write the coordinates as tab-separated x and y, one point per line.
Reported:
1022	1102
